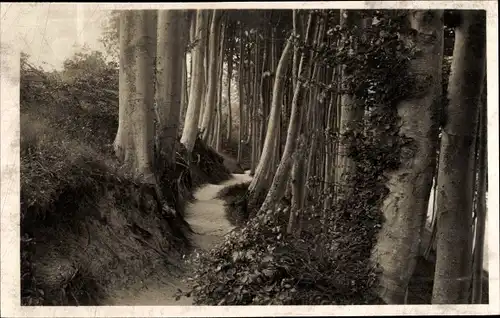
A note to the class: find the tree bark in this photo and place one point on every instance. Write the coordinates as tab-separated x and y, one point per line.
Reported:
208	115
282	174
204	41
351	110
135	137
329	155
298	181
405	207
477	270
295	51
125	84
229	82
170	61
258	182
455	191
218	134
255	103
240	101
190	130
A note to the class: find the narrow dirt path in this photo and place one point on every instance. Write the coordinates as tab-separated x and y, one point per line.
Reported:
207	218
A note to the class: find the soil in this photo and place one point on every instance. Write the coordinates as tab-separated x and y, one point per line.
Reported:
206	215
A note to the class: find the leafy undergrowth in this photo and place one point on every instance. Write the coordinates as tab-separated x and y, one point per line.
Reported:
87	227
260	265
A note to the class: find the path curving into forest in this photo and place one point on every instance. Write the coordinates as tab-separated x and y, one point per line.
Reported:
207	218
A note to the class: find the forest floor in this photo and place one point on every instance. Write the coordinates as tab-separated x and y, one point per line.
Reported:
207	218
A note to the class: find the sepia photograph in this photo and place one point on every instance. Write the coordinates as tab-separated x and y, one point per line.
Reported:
278	156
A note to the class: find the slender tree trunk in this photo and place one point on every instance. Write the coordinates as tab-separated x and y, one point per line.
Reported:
192	39
282	174
255	108
329	162
295	51
208	115
135	137
204	41
218	143
249	99
477	271
258	182
405	206
298	176
241	96
277	138
455	191
263	100
229	82
171	48
185	94
190	130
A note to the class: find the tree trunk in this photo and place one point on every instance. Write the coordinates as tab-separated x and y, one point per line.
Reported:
351	110
255	103
171	48
329	155
263	98
241	96
295	51
249	99
192	39
258	182
477	270
190	130
218	134
135	137
229	77
298	176
405	206
282	174
455	191
125	84
185	94
208	115
206	49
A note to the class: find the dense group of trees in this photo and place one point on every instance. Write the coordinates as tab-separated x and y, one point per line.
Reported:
318	95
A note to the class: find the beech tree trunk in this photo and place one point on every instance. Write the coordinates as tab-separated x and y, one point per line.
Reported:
218	134
255	104
329	155
135	137
170	61
240	101
295	51
351	110
456	174
477	270
206	49
276	191
190	129
208	115
265	162
405	207
229	77
298	181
